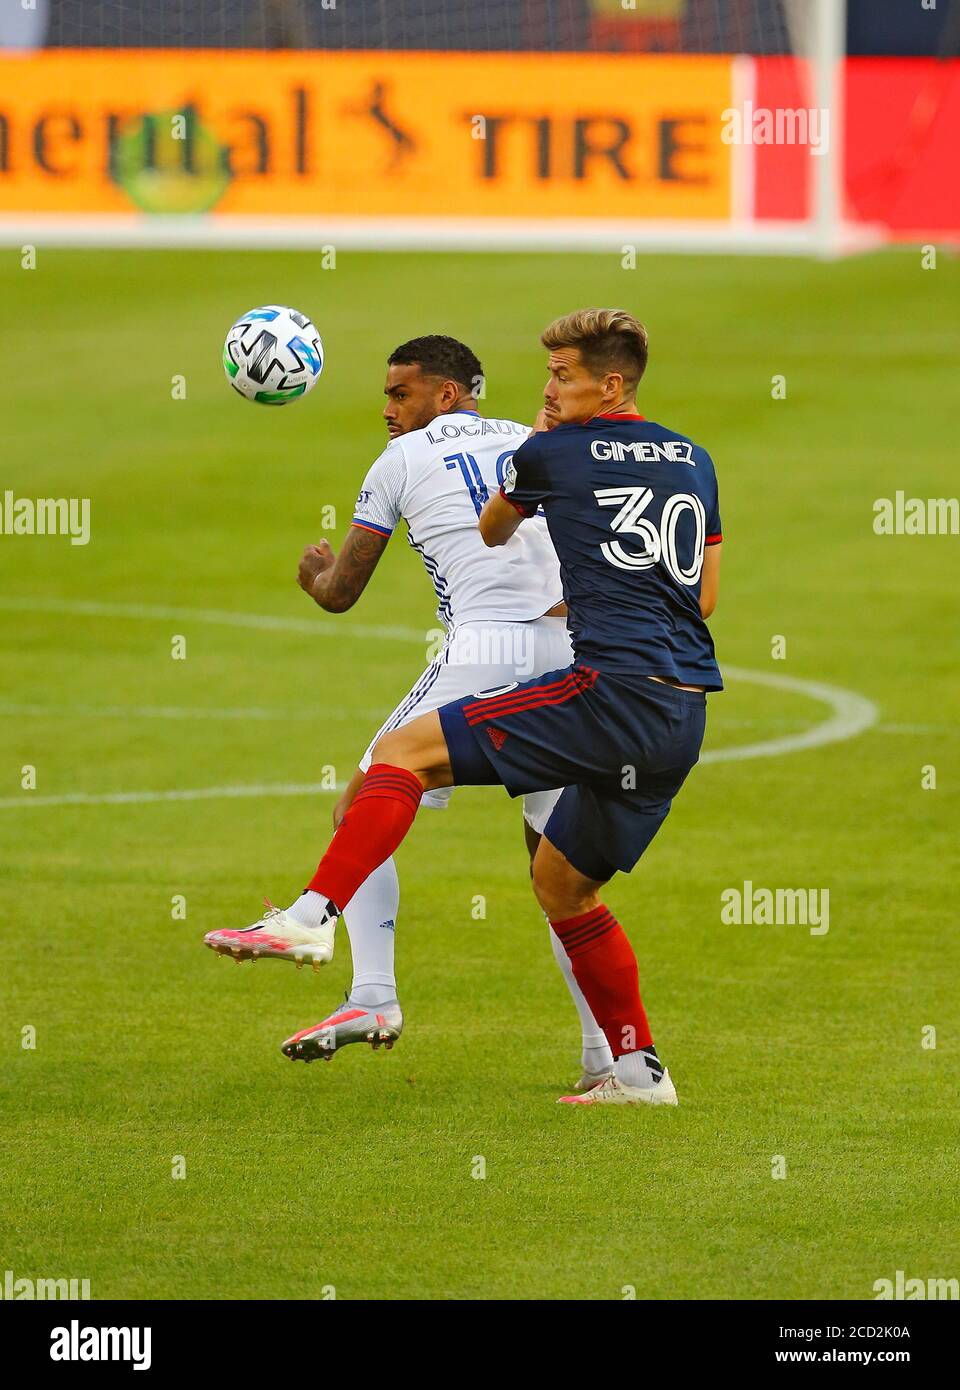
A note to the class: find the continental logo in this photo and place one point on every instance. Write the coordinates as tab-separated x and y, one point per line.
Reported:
509	135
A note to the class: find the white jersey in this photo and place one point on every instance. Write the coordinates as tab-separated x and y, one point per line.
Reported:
437	480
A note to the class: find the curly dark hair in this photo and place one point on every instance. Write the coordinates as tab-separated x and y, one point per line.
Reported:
437	355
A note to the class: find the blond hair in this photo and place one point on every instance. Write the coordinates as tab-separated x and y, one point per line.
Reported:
609	340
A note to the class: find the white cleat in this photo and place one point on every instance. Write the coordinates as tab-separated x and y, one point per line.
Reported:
276	937
614	1092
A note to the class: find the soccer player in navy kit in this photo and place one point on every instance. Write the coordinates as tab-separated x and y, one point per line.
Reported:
632	510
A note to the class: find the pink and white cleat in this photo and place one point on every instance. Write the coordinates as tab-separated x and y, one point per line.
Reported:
614	1092
351	1023
277	937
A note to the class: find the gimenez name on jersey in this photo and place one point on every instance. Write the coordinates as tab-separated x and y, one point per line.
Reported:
643	451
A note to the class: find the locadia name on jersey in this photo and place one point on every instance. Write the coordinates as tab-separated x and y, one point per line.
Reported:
643	451
475	428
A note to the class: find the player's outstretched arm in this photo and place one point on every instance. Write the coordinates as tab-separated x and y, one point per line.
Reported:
337	581
498	520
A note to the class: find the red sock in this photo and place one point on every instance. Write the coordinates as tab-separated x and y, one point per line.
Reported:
605	968
379	817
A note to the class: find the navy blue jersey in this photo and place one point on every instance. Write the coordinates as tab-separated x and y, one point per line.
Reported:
631	507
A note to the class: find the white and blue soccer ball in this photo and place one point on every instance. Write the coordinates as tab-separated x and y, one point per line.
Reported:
273	355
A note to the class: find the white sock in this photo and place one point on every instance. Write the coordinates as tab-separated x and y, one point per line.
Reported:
371	916
596	1055
310	909
639	1069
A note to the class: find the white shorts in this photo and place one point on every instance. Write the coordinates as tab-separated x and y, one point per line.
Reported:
483	656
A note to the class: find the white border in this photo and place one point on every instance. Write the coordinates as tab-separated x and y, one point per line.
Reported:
430	233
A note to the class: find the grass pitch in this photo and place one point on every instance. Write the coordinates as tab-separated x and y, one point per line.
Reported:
151	1054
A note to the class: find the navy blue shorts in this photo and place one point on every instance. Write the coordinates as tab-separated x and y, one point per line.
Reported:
620	746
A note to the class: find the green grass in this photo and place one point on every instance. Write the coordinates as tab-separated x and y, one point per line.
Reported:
358	1174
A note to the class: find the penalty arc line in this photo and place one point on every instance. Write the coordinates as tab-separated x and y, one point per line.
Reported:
851	715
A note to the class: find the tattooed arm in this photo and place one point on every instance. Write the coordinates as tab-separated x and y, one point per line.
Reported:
337	581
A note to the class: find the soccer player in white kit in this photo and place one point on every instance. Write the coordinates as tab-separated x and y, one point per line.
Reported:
503	612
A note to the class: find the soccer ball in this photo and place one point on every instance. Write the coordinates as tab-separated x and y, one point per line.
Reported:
273	355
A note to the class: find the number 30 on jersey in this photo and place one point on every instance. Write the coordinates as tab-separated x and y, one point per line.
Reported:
659	544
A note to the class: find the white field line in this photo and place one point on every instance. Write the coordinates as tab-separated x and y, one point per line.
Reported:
941	730
850	713
254	712
311	627
188	794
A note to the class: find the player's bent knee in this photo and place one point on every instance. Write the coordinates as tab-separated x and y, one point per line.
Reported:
420	748
561	890
397	752
394	749
560	895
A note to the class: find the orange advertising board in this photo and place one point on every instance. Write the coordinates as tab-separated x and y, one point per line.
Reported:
365	134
